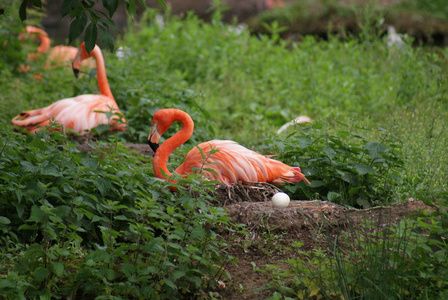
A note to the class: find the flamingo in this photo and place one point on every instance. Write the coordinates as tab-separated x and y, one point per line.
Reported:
229	161
58	55
80	113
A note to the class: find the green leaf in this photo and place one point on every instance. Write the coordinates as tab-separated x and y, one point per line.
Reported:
153	245
360	136
104	185
375	149
107	38
52	171
121	218
161	3
329	152
362	169
174	246
130	6
170	210
364	203
198	232
331	196
36	214
174	236
22	10
98	255
41	274
94	17
348	178
317	183
90	36
28	167
304	142
111	6
58	269
77	27
170	283
4	221
68	6
177	274
7	284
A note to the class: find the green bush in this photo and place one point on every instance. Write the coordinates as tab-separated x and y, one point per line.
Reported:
343	165
100	223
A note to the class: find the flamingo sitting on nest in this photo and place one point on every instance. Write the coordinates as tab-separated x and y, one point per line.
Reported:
230	163
81	113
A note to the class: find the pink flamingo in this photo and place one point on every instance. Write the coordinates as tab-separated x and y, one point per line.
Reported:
229	161
81	113
58	55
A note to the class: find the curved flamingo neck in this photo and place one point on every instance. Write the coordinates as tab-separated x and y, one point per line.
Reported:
43	38
103	83
164	151
44	44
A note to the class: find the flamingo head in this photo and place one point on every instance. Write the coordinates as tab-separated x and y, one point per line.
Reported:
157	129
161	121
80	56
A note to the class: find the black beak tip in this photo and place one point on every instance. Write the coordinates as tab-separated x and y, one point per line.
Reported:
76	72
154	146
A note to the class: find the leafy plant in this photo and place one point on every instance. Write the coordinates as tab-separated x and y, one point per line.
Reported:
343	166
91	221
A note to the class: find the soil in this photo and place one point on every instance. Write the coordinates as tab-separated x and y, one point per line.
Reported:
272	229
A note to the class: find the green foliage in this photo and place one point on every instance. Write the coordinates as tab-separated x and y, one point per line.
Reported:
101	225
405	260
12	49
343	165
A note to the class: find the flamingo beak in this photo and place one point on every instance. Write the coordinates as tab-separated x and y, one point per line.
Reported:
75	64
76	71
153	138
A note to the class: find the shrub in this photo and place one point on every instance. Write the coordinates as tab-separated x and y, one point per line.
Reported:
343	166
100	223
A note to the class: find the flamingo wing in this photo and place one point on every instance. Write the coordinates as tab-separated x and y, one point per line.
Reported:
78	113
233	162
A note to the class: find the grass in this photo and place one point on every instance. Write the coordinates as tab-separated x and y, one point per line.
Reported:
104	224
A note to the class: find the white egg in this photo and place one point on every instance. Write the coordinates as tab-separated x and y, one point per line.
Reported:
280	200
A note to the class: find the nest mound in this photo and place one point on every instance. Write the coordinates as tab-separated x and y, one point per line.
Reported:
252	205
236	193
